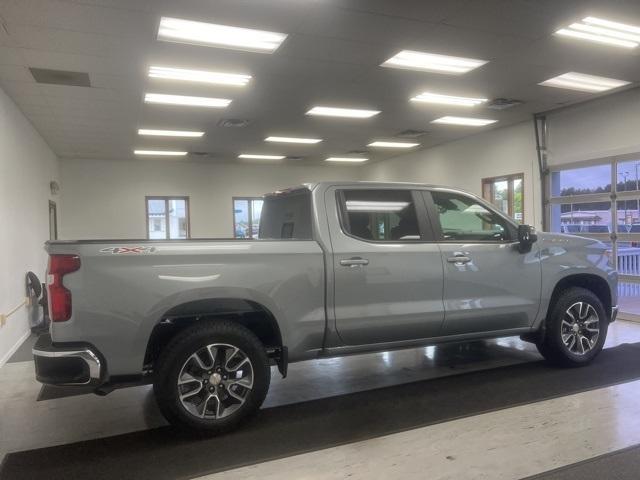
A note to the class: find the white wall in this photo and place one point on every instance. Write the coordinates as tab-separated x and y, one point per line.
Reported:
27	165
601	128
106	199
464	163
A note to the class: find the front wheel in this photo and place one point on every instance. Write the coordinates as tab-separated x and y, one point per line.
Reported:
212	376
576	329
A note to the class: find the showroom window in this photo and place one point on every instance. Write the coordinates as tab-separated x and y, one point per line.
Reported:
507	194
466	220
168	218
246	216
601	199
379	215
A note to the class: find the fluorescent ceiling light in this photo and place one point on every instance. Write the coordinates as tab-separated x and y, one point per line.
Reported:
169	133
346	159
471	122
428	97
185	100
292	140
392	144
261	157
219	36
583	82
167	153
603	31
366	206
200	76
432	62
342	112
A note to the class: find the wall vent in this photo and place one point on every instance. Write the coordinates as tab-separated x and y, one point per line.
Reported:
60	77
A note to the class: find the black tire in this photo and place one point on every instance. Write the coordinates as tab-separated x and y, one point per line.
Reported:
552	346
173	360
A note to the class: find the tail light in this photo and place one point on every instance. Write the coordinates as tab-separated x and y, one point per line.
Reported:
59	296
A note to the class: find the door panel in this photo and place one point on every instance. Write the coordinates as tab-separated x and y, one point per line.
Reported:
488	284
385	290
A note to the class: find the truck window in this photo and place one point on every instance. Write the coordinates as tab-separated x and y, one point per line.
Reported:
464	219
379	215
286	216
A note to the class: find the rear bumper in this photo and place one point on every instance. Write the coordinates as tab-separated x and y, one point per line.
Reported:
67	364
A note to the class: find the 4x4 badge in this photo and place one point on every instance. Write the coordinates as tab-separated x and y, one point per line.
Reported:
128	250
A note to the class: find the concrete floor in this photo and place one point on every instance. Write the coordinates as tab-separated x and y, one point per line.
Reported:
26	423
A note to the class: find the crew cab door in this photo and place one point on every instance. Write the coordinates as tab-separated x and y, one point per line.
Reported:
489	285
387	269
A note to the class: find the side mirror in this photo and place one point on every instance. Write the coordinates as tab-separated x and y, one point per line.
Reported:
526	236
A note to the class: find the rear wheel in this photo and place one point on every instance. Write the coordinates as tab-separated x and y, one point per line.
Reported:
212	376
576	329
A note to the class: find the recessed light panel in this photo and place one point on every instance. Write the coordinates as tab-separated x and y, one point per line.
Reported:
342	112
261	157
583	82
219	36
433	62
201	76
186	100
383	144
429	97
169	133
599	30
375	206
466	121
346	159
160	153
292	140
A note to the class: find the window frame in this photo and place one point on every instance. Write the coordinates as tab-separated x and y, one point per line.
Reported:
249	216
425	228
166	199
435	218
510	179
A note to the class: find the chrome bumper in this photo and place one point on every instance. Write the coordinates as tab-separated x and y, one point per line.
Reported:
66	365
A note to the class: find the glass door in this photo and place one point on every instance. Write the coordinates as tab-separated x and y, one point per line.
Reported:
601	200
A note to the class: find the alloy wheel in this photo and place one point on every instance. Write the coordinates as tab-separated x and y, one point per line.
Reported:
215	381
580	328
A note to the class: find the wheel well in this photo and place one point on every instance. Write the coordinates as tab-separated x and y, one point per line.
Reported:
594	283
251	315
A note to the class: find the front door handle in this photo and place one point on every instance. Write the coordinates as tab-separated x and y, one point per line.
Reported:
354	262
458	259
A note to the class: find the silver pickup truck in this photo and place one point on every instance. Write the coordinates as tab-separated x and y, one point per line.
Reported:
339	268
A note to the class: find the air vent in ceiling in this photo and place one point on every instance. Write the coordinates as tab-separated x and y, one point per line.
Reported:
295	157
60	77
409	133
503	103
233	123
199	154
358	152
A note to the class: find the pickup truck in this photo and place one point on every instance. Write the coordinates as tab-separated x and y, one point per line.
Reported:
339	268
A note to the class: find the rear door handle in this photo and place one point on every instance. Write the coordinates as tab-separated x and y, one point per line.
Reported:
459	259
354	262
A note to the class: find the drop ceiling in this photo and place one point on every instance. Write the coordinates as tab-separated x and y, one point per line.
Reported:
332	56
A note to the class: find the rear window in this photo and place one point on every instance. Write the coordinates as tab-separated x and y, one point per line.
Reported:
380	215
286	216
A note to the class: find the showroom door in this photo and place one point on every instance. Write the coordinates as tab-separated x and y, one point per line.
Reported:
488	284
387	268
